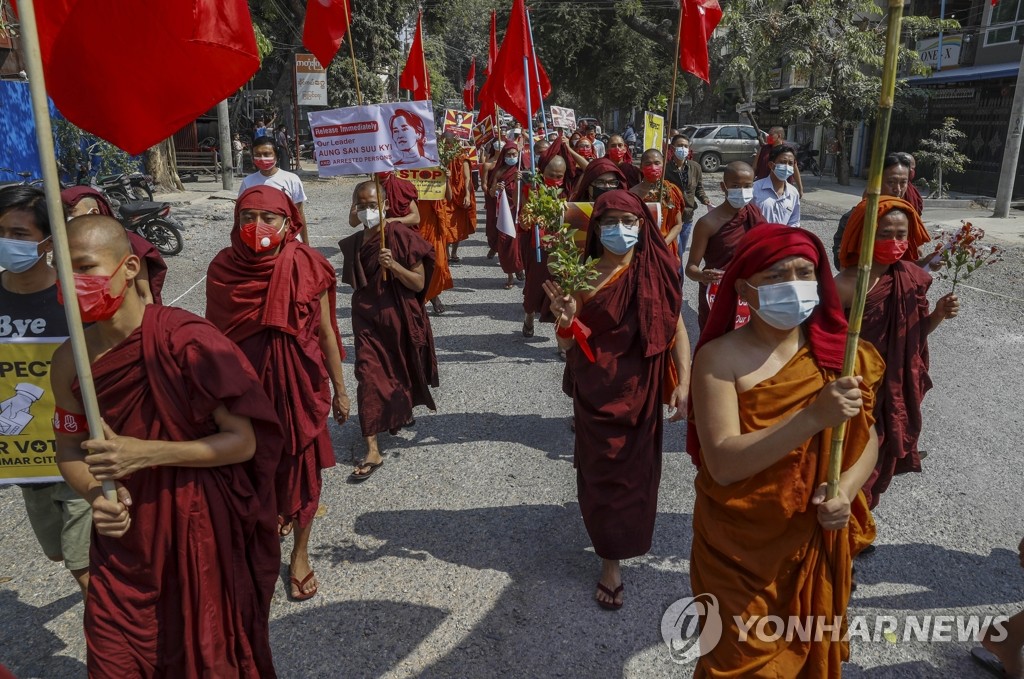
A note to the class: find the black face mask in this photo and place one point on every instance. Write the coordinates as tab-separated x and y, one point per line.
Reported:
596	191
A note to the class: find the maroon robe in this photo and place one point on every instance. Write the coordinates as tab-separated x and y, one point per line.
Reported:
509	249
560	148
721	248
270	307
896	323
186	592
617	399
913	196
631	172
399	193
535	300
395	360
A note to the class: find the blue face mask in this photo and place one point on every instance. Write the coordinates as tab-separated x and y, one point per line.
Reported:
18	256
783	172
619	238
511	160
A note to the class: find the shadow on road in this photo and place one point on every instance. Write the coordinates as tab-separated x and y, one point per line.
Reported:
27	648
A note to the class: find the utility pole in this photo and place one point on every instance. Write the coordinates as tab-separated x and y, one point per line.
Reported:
1011	152
227	153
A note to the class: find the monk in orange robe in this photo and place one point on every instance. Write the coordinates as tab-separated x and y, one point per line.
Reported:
764	400
653	189
435	225
897	322
461	202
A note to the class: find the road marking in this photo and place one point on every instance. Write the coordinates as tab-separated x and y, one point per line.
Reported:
989	292
175	300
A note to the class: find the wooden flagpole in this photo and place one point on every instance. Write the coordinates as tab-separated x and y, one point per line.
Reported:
61	255
867	241
672	95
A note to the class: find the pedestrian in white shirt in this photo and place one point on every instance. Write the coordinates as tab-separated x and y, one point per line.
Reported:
778	200
264	157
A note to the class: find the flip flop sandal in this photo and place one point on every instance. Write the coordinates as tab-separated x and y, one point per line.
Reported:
527	330
439	309
989	661
611	594
509	285
303	596
491	253
454	260
284	528
519	275
355	477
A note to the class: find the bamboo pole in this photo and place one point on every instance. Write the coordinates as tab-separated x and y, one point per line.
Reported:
383	221
867	241
61	255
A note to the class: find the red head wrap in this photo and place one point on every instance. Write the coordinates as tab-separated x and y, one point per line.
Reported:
72	195
917	235
595	169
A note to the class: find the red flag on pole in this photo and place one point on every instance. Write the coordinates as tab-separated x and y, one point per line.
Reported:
469	88
325	26
414	76
506	84
492	47
204	51
698	22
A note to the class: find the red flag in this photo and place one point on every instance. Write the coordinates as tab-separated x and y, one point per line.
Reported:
469	88
414	76
204	51
506	84
325	26
697	21
492	48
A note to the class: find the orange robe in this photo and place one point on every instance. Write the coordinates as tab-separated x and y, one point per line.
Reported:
434	224
672	204
757	544
463	221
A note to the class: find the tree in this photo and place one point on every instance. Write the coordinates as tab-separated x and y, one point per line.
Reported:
942	152
842	46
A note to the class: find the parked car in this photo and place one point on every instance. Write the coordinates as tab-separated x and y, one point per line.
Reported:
590	123
716	144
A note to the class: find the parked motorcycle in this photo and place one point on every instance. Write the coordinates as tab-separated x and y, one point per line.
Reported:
153	222
807	159
124	187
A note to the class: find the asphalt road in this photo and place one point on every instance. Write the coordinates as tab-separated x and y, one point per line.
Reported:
465	554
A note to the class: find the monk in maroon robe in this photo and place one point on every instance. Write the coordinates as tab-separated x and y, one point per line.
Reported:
85	200
395	360
560	148
402	196
183	563
897	322
600	176
535	299
627	354
506	178
717	234
274	296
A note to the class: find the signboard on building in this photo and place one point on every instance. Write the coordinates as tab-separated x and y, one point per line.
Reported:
310	81
929	51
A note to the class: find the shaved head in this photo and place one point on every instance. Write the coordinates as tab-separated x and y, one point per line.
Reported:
365	190
738	171
100	236
651	156
557	164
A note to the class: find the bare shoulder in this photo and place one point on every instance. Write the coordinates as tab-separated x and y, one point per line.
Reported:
716	358
62	365
711	222
846	285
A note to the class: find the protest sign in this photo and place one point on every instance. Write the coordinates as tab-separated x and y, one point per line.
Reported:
459	123
654	130
27	445
374	138
429	182
483	132
563	118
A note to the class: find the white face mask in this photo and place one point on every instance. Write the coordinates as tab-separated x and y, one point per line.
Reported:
739	197
784	306
368	218
682	153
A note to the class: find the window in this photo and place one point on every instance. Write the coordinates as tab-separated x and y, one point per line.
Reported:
703	132
1006	23
747	132
730	132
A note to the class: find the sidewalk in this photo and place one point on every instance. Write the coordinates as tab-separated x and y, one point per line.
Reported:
826	192
210	186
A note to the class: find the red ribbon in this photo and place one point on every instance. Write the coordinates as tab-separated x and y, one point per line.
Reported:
580	333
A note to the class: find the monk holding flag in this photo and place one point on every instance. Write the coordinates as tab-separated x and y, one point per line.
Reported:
627	354
274	296
395	360
897	321
506	180
183	564
765	400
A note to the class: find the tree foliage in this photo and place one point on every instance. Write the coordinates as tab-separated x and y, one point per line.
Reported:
941	152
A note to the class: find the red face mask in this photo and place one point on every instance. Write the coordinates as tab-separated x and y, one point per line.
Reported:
261	237
652	173
264	163
553	183
617	154
94	299
586	151
890	251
